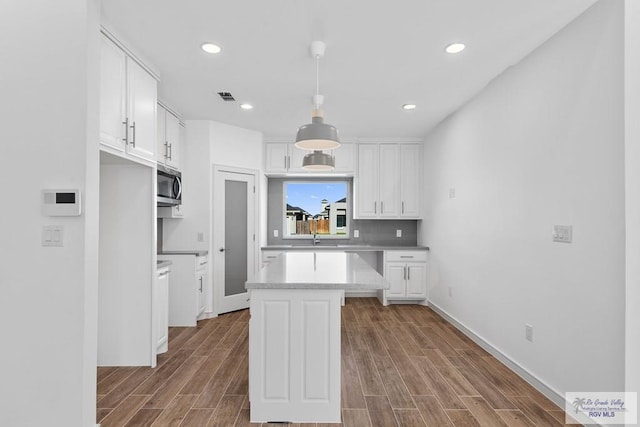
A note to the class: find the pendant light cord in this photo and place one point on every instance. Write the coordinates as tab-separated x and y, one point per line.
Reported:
317	81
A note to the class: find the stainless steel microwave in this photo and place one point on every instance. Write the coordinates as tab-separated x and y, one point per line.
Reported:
169	186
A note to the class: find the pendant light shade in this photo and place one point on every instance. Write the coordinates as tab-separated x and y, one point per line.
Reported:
317	135
318	161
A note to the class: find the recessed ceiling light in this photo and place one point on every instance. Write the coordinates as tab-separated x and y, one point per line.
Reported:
409	106
211	48
246	106
455	48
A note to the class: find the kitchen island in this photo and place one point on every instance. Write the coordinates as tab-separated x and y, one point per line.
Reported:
294	334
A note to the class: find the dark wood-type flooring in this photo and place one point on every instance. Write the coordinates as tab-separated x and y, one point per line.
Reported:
402	365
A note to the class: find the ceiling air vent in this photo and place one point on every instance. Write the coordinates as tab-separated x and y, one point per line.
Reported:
226	96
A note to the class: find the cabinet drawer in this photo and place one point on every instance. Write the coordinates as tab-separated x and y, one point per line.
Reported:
270	256
406	256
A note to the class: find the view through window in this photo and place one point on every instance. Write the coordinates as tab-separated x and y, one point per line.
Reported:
315	208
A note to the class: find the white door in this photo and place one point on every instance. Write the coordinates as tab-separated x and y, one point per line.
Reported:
417	281
389	180
112	95
366	182
276	158
234	236
396	275
410	179
142	88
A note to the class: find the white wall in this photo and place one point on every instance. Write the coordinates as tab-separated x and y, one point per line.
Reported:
632	196
48	306
208	143
543	144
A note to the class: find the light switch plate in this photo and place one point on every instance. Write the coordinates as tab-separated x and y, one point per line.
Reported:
275	233
356	234
52	235
398	233
563	233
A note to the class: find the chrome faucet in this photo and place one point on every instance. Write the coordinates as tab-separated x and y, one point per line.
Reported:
315	239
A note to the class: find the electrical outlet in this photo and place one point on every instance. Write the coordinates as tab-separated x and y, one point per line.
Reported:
398	233
450	292
200	236
562	233
528	332
356	234
275	233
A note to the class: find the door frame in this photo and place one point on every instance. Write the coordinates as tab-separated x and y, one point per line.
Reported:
217	223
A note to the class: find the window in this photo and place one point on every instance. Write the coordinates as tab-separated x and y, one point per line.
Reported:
317	207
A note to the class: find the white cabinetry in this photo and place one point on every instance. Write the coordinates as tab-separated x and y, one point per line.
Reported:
268	256
294	355
169	138
285	158
128	96
188	287
162	310
387	181
406	272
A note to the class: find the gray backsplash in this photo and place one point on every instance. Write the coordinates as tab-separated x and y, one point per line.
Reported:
372	231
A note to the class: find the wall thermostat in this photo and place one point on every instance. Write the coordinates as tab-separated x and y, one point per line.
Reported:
61	202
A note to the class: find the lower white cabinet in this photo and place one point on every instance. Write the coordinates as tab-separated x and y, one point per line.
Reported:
187	288
406	272
269	256
294	355
162	310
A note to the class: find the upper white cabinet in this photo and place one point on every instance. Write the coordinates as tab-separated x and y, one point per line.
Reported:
387	181
285	158
169	138
128	96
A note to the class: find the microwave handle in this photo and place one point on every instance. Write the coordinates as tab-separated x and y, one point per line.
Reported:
177	183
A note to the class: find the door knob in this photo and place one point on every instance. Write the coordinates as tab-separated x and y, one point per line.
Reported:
221	249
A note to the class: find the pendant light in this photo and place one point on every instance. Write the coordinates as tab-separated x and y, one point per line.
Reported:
317	135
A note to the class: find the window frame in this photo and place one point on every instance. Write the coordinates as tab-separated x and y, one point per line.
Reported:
349	206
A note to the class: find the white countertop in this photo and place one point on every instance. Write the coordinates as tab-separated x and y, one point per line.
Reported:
318	270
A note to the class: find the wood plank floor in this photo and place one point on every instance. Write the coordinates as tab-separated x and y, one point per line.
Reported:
402	365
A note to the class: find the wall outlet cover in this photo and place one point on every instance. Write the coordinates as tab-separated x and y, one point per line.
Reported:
398	233
275	233
563	233
356	234
528	332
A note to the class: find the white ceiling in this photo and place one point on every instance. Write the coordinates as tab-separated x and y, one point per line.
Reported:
380	55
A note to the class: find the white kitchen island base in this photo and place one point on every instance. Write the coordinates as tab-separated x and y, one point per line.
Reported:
294	355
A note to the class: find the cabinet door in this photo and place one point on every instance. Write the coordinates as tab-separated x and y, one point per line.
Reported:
162	310
200	283
345	158
395	275
416	281
296	155
162	148
142	97
112	95
276	160
410	179
366	182
173	140
389	180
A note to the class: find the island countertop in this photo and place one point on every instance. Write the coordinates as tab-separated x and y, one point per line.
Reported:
318	270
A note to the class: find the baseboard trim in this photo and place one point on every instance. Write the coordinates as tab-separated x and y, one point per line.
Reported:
539	385
360	294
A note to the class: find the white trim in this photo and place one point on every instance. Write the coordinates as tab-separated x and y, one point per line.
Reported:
171	110
109	34
360	294
550	393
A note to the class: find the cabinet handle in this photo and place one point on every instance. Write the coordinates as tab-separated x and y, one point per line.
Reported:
166	149
200	284
133	139
163	275
285	162
406	256
170	151
288	162
404	272
381	208
403	207
126	130
375	207
408	273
